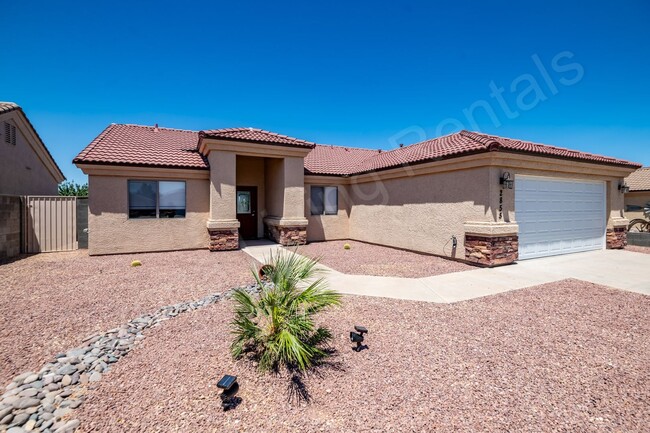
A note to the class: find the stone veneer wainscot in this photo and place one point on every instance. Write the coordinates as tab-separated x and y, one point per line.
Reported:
223	239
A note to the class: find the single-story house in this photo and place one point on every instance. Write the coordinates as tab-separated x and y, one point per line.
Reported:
638	196
468	196
26	166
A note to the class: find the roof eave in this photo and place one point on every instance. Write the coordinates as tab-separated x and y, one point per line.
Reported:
203	134
78	161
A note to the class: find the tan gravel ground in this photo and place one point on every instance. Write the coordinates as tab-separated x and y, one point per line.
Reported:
368	259
567	356
636	249
51	302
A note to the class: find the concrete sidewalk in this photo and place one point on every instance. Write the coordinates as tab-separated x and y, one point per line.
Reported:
619	269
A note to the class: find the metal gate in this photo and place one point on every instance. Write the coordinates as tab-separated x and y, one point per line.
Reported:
49	224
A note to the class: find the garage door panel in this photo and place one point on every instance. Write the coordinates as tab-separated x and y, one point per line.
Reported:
558	216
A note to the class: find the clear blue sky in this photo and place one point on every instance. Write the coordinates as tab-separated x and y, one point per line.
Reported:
368	74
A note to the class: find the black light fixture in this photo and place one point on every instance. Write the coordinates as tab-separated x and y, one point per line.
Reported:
506	180
357	337
623	188
230	387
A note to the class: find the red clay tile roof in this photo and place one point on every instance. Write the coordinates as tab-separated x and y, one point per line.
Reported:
256	136
466	142
6	107
144	146
639	180
164	147
336	160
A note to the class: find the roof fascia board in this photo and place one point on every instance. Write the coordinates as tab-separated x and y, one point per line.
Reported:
138	171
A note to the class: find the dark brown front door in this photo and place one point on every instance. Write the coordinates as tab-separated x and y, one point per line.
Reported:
247	211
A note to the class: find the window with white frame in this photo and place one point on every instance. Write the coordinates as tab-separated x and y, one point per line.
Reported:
324	200
156	199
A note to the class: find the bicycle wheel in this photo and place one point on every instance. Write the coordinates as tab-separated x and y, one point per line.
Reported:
638	225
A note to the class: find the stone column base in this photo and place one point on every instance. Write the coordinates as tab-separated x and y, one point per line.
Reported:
491	250
616	238
223	239
491	244
289	233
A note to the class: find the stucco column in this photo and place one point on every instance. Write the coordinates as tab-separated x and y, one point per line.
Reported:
616	237
290	228
223	225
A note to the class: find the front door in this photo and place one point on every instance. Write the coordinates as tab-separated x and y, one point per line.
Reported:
247	211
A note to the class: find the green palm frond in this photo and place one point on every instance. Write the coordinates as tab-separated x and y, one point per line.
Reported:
278	325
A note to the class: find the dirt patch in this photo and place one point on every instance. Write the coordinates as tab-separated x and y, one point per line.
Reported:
368	259
565	356
50	302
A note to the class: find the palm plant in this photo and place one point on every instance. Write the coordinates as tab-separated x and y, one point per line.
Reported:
278	326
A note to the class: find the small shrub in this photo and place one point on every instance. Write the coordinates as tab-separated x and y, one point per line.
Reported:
136	263
346	246
277	327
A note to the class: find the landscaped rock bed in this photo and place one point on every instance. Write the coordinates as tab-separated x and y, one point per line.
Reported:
50	302
566	356
369	259
44	400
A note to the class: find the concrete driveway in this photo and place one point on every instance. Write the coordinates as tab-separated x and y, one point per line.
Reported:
619	269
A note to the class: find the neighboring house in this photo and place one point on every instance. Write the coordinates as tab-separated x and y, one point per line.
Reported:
638	197
468	196
26	166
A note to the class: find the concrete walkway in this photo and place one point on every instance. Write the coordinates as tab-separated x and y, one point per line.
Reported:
619	269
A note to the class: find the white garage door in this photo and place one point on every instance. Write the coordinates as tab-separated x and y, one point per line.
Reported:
559	216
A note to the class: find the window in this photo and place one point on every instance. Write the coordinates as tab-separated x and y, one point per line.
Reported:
324	200
156	199
243	202
10	133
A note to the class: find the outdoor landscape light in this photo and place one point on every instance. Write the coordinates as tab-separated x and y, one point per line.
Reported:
230	387
506	181
357	337
622	187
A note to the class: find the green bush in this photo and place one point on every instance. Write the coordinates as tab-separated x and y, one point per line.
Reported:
136	263
346	246
72	188
277	327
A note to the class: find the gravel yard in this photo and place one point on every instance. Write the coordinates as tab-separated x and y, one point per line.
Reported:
636	249
51	302
369	259
566	356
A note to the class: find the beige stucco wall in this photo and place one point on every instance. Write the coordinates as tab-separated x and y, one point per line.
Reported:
24	167
250	172
411	209
111	231
285	192
640	198
328	227
274	178
223	179
422	212
294	188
